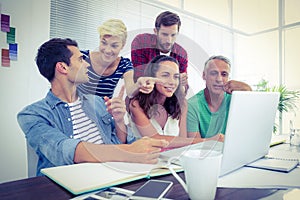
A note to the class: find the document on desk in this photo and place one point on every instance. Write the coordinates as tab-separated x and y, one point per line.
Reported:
278	139
283	155
247	177
87	177
274	164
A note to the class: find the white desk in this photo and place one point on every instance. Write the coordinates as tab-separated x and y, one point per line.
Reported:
247	177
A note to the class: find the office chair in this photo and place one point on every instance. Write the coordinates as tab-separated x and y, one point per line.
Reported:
32	160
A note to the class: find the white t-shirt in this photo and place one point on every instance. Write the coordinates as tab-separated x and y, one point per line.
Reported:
171	127
83	127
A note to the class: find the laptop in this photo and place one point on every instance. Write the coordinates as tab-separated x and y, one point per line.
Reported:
248	133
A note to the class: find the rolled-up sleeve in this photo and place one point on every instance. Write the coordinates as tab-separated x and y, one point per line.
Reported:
48	140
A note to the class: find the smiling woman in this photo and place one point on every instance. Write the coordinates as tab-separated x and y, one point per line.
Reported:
106	66
162	112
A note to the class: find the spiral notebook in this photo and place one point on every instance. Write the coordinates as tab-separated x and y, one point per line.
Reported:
278	160
275	164
283	155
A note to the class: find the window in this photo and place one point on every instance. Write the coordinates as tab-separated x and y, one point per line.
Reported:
254	44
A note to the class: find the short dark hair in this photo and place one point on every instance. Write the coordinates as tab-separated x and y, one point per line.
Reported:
167	18
53	51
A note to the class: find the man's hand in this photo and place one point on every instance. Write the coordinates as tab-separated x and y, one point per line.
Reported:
146	150
184	79
219	137
233	85
116	106
148	145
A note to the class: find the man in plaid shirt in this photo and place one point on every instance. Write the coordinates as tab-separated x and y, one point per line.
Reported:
146	46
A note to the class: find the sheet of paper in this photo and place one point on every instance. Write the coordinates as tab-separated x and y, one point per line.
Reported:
279	139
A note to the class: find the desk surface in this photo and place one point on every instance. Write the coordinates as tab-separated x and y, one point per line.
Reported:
44	188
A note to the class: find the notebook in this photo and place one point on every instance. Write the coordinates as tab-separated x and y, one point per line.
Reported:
274	164
87	177
249	130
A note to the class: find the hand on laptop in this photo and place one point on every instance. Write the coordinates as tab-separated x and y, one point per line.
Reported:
197	138
219	137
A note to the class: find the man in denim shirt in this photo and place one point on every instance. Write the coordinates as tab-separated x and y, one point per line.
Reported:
68	127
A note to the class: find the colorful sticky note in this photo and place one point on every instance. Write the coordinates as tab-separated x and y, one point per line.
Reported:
5	58
11	36
13	51
5	19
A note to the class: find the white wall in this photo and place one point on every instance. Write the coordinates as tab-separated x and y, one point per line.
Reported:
20	84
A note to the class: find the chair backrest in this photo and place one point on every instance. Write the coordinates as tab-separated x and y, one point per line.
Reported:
32	160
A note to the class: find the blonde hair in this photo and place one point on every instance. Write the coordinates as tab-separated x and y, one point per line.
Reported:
113	27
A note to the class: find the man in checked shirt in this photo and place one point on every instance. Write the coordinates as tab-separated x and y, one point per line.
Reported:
146	46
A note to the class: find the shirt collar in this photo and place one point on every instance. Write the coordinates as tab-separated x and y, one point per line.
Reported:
54	100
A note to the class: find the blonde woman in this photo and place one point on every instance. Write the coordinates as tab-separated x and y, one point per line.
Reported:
107	67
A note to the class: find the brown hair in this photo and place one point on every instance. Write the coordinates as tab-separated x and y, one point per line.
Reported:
167	18
148	101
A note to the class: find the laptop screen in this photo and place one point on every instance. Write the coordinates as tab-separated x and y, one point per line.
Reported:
248	134
249	128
